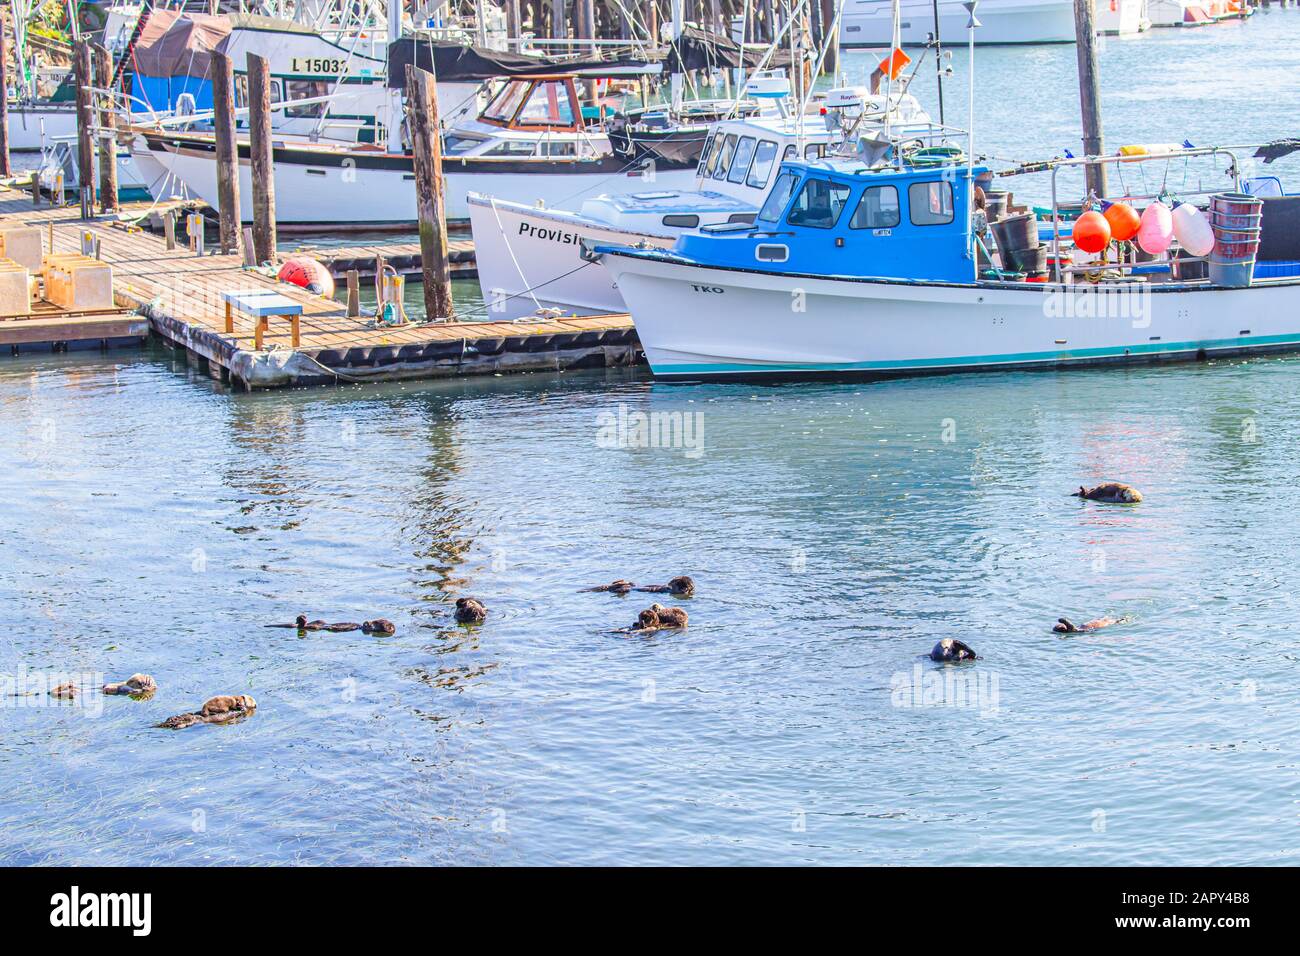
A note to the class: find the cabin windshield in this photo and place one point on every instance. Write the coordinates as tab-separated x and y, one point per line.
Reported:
505	104
777	198
548	106
819	204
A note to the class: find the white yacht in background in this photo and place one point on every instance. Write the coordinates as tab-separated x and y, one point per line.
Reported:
529	256
1121	18
871	22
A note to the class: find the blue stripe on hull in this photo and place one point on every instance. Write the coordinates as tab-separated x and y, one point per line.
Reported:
1262	342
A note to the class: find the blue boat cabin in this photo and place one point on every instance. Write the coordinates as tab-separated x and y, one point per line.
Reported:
840	218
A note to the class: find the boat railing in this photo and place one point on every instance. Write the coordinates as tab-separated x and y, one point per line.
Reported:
1234	171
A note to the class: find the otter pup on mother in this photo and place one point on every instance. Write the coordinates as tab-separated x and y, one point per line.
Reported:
223	709
950	649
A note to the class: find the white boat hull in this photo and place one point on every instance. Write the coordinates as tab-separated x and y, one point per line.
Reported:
32	127
870	22
696	321
328	194
529	259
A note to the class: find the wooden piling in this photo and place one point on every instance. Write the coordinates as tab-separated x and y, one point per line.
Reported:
84	76
1085	34
354	293
585	28
514	25
831	64
426	147
223	121
103	65
262	160
5	168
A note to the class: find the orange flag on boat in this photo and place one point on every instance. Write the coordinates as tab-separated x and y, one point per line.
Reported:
892	65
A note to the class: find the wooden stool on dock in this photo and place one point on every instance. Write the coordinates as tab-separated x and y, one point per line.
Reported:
260	305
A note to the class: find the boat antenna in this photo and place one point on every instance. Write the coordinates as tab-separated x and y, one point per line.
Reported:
938	58
971	24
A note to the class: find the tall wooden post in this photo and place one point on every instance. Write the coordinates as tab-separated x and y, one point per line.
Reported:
514	25
586	25
1085	35
107	134
84	75
223	120
5	168
831	65
426	143
262	164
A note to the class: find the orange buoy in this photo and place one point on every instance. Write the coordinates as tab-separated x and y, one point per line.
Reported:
1091	232
307	272
1124	221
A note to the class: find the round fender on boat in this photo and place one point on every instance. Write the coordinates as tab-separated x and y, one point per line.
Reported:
1124	221
1193	230
1157	229
306	272
1091	232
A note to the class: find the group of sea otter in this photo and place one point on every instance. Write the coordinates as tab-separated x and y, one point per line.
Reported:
656	617
222	709
1111	492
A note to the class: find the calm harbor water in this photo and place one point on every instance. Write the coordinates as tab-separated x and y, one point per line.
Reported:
153	522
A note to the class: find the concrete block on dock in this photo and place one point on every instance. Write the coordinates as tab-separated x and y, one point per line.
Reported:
24	245
15	288
78	283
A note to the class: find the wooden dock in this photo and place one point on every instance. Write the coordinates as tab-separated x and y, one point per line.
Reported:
180	294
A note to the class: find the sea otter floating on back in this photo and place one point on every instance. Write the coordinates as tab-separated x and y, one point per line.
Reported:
1114	492
1063	626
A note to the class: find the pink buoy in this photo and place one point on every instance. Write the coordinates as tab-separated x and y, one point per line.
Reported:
1156	231
307	272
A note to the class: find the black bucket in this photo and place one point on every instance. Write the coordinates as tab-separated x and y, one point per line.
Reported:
1016	232
996	203
1031	260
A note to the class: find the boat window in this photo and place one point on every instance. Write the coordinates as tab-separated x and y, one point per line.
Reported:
877	209
777	198
548	106
930	203
453	145
764	157
791	152
511	147
744	153
705	154
241	91
562	147
714	153
303	90
506	103
681	222
814	151
772	253
724	161
819	204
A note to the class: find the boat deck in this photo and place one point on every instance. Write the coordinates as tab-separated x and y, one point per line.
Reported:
180	295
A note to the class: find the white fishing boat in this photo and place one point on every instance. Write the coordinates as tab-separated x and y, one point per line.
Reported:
869	269
528	256
871	22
